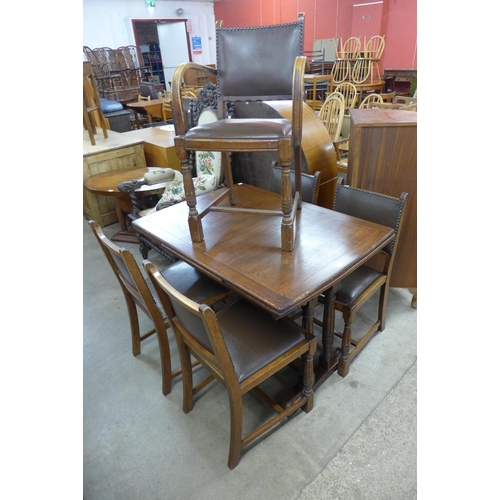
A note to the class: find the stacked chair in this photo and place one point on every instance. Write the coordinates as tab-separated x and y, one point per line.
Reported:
118	72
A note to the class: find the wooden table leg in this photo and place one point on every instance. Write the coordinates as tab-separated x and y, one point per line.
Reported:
127	233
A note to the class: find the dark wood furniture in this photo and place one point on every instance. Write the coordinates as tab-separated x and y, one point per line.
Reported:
275	74
241	346
244	254
383	158
106	184
399	80
367	280
137	293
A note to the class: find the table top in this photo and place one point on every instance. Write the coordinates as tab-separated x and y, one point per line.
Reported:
317	76
144	104
106	183
162	136
243	251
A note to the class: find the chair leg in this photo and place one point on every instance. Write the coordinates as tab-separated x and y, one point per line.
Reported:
187	377
236	405
228	177
134	325
166	363
194	219
382	306
308	379
287	223
345	361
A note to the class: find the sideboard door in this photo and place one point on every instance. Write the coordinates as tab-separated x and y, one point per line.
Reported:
383	158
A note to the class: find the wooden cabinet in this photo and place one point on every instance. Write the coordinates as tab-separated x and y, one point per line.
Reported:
400	80
116	152
383	158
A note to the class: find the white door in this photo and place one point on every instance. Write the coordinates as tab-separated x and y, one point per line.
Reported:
173	46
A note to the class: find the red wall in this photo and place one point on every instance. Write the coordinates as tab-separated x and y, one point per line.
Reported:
334	19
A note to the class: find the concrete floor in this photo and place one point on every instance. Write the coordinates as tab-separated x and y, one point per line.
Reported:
359	442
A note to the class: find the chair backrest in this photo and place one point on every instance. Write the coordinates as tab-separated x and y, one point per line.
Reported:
258	61
404	100
371	99
362	70
148	89
331	114
375	47
348	90
129	57
128	273
310	184
90	55
350	49
340	70
374	207
193	323
315	61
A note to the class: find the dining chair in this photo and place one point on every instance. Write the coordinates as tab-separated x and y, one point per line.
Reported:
332	113
342	152
248	71
405	102
310	183
139	118
241	346
373	52
347	54
139	292
363	283
348	90
361	70
371	100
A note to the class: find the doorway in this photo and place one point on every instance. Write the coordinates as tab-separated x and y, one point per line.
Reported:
163	44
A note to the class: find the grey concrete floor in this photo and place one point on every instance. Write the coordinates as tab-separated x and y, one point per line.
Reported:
359	442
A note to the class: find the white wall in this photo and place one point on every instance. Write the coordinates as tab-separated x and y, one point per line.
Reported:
107	23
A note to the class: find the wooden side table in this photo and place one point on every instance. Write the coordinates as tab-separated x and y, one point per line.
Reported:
106	184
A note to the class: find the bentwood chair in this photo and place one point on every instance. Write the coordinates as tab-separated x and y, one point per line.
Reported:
348	90
241	346
355	290
373	52
371	100
347	54
332	113
262	63
139	292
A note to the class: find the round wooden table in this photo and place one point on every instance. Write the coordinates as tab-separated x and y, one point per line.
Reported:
106	184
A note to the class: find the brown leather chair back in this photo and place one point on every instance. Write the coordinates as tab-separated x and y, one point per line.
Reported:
374	207
258	61
310	184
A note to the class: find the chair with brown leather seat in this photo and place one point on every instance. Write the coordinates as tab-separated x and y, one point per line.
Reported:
248	71
359	286
139	292
310	184
241	346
